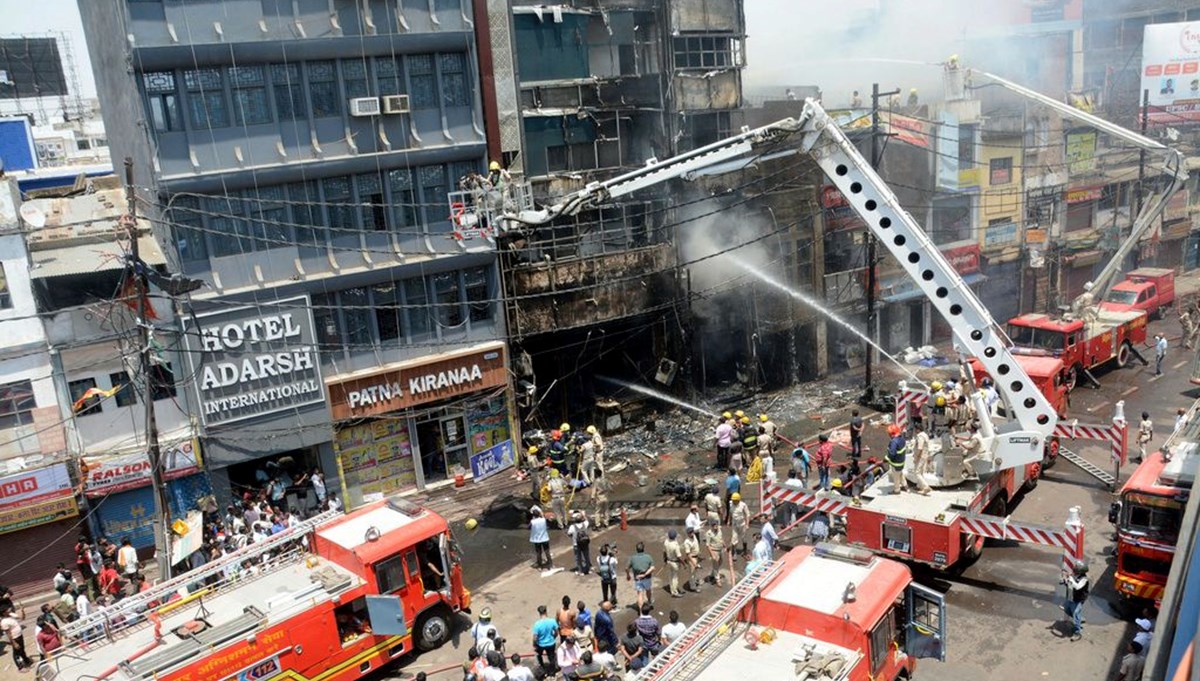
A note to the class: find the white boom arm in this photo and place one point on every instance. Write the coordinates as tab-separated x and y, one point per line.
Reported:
1019	441
1173	166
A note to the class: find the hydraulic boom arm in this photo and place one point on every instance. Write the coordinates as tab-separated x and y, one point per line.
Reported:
1173	166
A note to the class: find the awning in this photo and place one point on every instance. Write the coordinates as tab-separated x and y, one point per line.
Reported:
94	257
913	293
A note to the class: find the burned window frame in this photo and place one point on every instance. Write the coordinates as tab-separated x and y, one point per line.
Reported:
705	51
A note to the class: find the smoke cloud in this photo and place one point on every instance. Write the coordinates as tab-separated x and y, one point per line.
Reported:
847	45
718	237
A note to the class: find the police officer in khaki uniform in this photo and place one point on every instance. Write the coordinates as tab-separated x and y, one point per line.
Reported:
714	541
673	557
691	555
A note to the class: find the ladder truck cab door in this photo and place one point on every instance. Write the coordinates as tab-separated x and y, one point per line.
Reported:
386	614
399	581
925	628
452	581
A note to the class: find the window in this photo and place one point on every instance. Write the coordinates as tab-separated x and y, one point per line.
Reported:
162	381
303	197
389	574
423	94
323	89
1155	517
338	199
449	303
162	98
881	641
206	98
249	85
371	203
268	217
189	232
230	231
329	335
1000	170
951	219
1133	30
416	303
966	145
433	188
357	313
390	75
78	389
404	209
386	301
5	294
475	282
289	94
707	51
126	395
354	77
83	145
456	90
1103	34
16	404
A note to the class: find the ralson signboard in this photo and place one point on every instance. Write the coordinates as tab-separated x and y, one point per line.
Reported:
408	385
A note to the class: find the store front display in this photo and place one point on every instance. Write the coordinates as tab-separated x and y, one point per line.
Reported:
422	422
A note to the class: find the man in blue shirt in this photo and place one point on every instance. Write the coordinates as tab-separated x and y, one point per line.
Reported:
606	629
732	484
545	635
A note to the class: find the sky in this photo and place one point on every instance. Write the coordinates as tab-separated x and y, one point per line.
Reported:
25	17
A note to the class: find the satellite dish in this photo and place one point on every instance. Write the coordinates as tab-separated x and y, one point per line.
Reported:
32	215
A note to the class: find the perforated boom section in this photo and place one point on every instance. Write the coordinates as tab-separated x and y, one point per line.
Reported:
925	264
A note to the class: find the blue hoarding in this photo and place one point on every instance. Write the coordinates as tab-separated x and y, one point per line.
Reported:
492	460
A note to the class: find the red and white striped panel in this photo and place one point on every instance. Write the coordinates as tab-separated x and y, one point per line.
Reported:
906	402
994	527
773	494
1115	435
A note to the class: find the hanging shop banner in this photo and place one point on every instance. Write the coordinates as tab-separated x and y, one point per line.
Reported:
1171	73
964	259
36	486
184	544
376	459
37	513
413	383
1081	151
119	472
907	129
492	460
253	361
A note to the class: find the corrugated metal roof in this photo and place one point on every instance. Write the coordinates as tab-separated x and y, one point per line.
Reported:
94	257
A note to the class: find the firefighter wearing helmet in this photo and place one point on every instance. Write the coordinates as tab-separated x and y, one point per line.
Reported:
897	451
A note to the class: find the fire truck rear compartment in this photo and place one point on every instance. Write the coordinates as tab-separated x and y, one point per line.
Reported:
788	656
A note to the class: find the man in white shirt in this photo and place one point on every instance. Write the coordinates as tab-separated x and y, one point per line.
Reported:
762	549
693	520
518	671
674	629
127	558
318	485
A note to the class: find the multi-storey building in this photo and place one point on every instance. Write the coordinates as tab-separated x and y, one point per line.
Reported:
297	158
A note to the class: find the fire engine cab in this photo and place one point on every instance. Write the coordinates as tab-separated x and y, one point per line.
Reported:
827	612
1081	343
329	599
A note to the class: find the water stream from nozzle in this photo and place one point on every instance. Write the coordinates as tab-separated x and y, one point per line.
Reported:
656	394
768	279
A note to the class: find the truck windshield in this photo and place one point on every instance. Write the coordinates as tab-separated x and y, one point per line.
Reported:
1154	517
1121	297
1029	337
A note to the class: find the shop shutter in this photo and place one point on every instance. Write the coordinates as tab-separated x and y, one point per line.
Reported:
34	554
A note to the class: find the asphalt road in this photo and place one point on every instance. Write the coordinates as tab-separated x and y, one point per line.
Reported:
1004	611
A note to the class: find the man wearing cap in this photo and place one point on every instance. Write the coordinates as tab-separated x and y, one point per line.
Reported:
691	555
896	453
1077	593
766	436
558	451
739	518
600	489
714	543
713	505
558	498
534	463
673	556
479	630
724	435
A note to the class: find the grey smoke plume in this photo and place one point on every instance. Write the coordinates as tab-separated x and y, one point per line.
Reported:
725	235
848	44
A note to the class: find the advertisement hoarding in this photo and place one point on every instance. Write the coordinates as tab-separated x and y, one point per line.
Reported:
1171	73
119	472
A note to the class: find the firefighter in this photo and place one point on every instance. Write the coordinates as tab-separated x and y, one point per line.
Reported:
896	453
534	462
766	435
558	451
739	517
558	498
913	99
749	441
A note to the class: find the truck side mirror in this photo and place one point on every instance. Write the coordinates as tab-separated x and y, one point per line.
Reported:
1114	511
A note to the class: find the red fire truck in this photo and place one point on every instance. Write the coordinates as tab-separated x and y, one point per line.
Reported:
1081	344
1150	510
825	612
330	599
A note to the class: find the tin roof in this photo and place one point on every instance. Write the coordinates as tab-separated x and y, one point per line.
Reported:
94	257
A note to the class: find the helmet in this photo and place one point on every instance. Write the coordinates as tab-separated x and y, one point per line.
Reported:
591	430
494	165
893	430
1081	567
726	415
556	435
739	413
763	418
736	496
554	472
746	419
485	614
936	386
837	482
566	427
533	449
913	91
940	401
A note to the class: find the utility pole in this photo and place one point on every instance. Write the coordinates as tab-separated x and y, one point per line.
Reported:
162	530
1141	168
876	159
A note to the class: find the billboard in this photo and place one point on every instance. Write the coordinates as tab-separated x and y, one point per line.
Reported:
119	472
31	67
253	361
1171	73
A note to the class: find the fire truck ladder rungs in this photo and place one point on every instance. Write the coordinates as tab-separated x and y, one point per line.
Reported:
132	608
684	649
1088	467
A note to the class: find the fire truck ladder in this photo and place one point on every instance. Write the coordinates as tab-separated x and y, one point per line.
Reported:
1089	467
686	654
1115	434
132	610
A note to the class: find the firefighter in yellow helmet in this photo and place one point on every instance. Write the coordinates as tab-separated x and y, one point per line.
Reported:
766	435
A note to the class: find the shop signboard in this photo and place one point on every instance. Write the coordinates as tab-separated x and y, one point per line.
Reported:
253	361
35	486
420	382
375	459
1000	234
37	513
492	460
1171	73
1081	151
1083	194
119	472
964	259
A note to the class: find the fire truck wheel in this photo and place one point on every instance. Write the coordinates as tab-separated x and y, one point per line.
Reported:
1123	354
1072	378
433	629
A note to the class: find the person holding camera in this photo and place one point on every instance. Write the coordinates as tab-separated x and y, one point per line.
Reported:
1077	592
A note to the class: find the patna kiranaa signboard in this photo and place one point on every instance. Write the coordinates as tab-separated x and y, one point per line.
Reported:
1171	73
253	361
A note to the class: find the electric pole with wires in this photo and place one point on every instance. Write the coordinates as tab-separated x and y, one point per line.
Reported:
876	159
162	530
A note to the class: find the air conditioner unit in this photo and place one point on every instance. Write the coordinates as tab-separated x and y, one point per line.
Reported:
395	104
364	106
